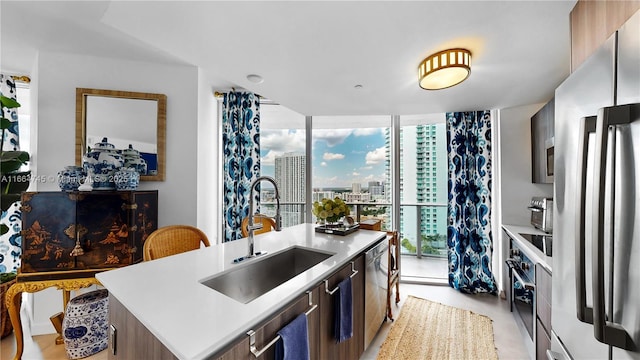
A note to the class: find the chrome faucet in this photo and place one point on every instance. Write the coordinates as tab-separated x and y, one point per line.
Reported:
251	227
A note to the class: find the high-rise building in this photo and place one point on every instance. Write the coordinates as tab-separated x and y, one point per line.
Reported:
423	174
290	172
356	188
376	188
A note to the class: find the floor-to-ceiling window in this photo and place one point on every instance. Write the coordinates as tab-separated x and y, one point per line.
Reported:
351	160
423	197
283	157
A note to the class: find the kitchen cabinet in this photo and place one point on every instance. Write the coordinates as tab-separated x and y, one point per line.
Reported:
353	347
322	342
76	234
542	144
543	311
200	323
267	331
129	338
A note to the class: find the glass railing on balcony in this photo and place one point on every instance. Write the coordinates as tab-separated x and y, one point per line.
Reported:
423	229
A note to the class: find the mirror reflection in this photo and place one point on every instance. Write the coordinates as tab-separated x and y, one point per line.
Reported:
126	119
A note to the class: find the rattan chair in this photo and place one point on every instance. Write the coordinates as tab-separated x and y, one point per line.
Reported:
173	239
268	224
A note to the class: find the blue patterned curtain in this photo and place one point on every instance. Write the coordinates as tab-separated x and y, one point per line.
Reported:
469	238
10	142
241	157
10	242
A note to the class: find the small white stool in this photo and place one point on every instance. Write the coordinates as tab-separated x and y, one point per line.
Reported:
86	323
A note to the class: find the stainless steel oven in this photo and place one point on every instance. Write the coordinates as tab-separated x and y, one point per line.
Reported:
522	288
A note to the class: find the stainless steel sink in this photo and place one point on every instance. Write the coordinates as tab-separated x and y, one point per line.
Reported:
261	275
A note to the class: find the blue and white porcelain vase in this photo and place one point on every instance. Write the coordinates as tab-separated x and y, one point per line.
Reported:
104	160
71	177
132	159
127	179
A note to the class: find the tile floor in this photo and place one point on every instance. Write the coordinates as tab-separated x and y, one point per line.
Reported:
508	338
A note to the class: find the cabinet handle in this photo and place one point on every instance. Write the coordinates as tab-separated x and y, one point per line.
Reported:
326	282
113	338
252	334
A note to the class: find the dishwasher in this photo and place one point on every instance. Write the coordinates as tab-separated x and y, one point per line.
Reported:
375	302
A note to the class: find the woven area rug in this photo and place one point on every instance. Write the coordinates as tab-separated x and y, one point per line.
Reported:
429	330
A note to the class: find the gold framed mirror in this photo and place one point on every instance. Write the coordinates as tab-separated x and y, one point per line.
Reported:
124	118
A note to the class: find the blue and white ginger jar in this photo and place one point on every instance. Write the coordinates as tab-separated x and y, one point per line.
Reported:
132	159
71	177
104	160
127	179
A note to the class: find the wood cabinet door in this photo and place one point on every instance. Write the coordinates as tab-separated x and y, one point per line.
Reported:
129	339
353	347
240	350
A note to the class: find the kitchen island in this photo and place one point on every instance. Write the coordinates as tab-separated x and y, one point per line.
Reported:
194	321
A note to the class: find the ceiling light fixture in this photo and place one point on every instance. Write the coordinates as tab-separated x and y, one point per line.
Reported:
256	79
444	69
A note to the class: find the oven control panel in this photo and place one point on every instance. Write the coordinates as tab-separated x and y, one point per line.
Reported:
521	260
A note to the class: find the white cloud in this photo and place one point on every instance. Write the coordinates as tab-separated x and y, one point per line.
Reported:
270	158
331	156
355	174
366	131
283	141
324	163
332	137
366	168
376	156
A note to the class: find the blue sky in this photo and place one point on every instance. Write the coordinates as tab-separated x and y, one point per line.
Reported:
340	156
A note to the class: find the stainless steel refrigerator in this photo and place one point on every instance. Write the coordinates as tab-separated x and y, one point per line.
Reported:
596	255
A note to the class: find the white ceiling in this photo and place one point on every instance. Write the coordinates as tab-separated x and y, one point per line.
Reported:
311	54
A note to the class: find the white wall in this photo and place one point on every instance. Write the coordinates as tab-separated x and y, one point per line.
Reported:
209	170
58	76
514	186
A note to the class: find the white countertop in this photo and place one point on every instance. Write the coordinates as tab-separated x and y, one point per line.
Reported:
533	252
194	321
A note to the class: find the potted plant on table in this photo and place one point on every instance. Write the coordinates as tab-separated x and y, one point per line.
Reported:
330	211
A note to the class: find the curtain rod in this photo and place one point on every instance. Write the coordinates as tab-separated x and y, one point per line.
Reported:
219	95
21	78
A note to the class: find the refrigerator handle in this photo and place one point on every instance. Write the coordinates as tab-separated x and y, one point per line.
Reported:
584	313
605	331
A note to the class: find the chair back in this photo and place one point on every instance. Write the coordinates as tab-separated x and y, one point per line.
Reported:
268	224
173	239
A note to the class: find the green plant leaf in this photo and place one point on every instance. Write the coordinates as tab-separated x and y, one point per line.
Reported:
4	229
13	160
5	123
8	102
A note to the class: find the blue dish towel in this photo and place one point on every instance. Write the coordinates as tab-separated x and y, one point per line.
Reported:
343	311
294	340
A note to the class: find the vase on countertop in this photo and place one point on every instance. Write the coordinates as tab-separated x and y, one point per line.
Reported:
104	161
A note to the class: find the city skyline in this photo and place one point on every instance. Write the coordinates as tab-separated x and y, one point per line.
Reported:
341	157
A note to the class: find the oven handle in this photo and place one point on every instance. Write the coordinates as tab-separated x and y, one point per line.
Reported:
584	313
515	270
